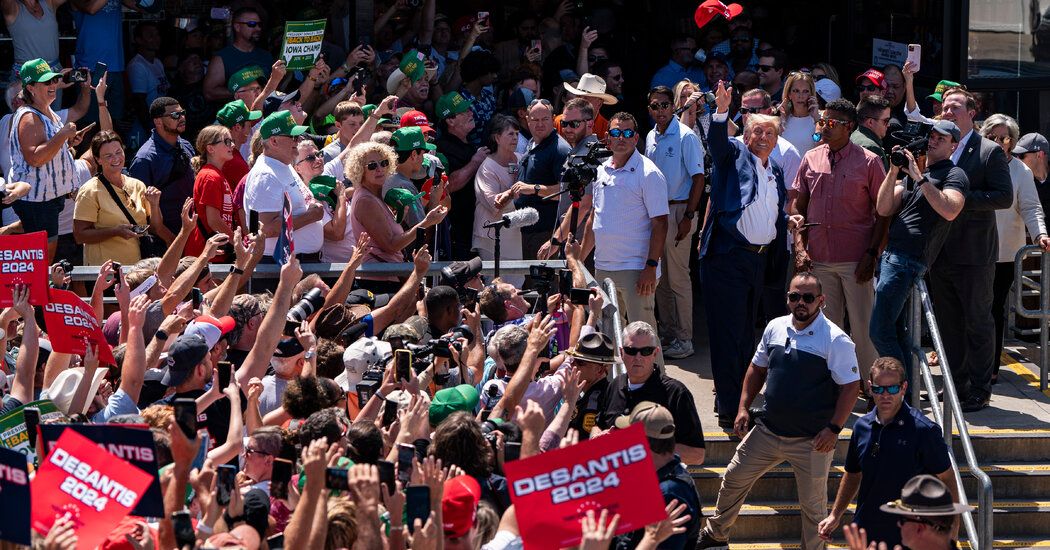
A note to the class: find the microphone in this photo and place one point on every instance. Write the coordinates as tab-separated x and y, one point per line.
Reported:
707	98
523	217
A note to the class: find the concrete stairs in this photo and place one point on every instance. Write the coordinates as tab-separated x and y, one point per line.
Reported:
1018	461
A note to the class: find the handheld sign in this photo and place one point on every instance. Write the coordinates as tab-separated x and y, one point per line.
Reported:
23	261
284	249
14	493
71	323
94	487
13	432
302	43
553	491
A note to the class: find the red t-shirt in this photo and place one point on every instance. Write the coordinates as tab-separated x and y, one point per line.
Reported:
209	189
235	169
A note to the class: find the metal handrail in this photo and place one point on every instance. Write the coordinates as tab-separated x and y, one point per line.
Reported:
610	290
979	534
1023	280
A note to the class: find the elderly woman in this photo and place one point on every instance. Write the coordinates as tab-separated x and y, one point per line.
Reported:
799	112
309	164
1026	210
369	165
496	177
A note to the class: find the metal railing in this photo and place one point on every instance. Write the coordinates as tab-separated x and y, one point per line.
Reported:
979	534
1025	285
610	292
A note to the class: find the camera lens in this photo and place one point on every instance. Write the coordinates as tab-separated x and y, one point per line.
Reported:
309	304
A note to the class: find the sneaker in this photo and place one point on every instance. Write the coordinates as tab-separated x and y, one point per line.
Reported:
666	341
679	349
707	541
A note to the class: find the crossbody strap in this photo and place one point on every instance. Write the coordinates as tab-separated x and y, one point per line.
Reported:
116	199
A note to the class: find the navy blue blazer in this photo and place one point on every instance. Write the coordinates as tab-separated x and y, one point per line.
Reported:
733	179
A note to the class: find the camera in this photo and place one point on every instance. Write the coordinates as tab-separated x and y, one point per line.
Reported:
457	275
583	169
76	76
439	347
914	137
358	76
310	303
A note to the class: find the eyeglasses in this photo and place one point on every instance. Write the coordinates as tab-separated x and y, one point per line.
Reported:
766	68
574	123
882	120
741	39
227	141
176	115
892	390
868	88
645	351
595	58
659	105
374	165
250	24
751	110
808	297
625	134
248	451
832	122
314	156
999	139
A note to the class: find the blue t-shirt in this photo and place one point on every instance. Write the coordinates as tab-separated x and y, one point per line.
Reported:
101	37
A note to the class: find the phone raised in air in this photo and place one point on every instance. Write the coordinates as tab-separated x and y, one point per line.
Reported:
405	454
580	296
183	527
225	369
417	505
402	365
98	72
186	416
386	475
337	479
224	485
280	477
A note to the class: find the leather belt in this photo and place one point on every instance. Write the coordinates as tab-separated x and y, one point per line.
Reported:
679	202
757	249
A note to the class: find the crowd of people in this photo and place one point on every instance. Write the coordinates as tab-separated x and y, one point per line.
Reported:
806	215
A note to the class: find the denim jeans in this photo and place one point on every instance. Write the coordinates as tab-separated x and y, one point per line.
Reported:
888	329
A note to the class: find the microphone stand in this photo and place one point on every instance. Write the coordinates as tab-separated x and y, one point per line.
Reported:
497	251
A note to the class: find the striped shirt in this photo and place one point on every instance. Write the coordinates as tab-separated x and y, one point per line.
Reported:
51	180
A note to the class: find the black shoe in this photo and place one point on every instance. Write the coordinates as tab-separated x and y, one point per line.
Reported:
707	541
975	403
725	422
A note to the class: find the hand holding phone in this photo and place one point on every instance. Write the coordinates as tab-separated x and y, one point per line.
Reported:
186	416
405	454
224	485
915	55
417	505
402	365
337	479
280	477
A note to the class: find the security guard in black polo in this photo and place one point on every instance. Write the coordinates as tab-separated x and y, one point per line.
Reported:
592	355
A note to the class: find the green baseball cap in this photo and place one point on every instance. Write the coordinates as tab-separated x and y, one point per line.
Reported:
322	187
401	200
36	71
280	123
942	86
244	77
410	139
451	104
236	112
463	397
412	64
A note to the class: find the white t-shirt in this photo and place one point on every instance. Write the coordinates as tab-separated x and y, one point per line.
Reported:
625	200
799	132
147	77
264	191
272	394
339	251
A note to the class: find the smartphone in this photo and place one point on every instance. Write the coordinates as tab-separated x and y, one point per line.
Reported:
537	45
336	479
915	54
224	485
186	416
511	451
282	474
275	542
197	297
564	282
225	373
402	364
417	504
140	229
389	412
220	13
365	390
184	534
116	273
405	454
100	70
483	18
580	296
386	475
32	419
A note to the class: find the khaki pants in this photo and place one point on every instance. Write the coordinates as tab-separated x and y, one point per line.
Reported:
632	306
674	294
842	295
760	451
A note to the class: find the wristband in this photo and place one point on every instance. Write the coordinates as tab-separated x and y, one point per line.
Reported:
651	263
835	428
161	335
379	394
236	270
556	242
230	520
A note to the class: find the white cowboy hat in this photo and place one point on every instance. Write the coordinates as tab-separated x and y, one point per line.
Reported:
591	86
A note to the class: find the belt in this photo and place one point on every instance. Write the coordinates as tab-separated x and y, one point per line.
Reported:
757	249
686	201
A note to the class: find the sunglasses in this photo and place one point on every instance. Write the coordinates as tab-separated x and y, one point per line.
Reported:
374	165
832	122
659	105
227	141
751	110
892	390
250	451
250	24
766	68
882	120
868	88
176	115
999	139
742	39
575	123
625	134
808	297
314	156
902	521
645	351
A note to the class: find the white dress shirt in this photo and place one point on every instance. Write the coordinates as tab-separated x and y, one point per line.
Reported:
758	222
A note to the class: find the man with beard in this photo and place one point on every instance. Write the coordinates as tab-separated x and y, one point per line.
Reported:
241	52
811	370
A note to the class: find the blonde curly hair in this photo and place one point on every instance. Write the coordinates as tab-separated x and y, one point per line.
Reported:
354	164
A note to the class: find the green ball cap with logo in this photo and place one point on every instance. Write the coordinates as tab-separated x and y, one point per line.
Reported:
244	77
236	112
36	71
942	86
451	104
410	139
280	123
463	397
412	64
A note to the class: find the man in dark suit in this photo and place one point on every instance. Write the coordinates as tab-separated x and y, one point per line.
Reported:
746	220
961	277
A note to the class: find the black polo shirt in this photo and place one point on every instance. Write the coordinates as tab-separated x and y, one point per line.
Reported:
658	388
464	201
543	164
588	406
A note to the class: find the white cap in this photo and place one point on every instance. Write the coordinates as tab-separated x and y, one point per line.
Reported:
363	354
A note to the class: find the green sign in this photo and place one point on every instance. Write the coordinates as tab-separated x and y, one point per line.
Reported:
13	433
302	43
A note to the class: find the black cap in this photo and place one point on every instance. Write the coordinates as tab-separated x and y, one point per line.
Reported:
183	356
257	510
288	347
456	274
366	297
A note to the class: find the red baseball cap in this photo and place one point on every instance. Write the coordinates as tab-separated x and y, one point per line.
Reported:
459	505
416	118
710	8
873	76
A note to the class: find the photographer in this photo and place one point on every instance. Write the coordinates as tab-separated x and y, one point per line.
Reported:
923	206
577	127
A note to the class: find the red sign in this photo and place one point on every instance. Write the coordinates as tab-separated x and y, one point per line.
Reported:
71	323
23	261
553	491
94	487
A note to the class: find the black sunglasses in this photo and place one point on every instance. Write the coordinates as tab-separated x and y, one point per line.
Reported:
808	297
902	521
659	105
227	141
644	351
575	123
751	110
868	88
766	68
313	157
176	115
373	165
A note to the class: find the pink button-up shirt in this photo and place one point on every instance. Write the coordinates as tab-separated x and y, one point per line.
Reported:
842	187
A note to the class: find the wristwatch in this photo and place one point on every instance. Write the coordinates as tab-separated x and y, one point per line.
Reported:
310	354
651	263
161	335
835	428
536	188
689	215
556	242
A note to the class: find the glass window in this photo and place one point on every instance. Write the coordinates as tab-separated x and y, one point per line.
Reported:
901	21
1008	39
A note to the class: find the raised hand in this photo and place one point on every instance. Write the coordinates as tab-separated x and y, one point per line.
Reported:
598	533
723	97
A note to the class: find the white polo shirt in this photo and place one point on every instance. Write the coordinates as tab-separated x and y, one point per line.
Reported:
268	181
625	201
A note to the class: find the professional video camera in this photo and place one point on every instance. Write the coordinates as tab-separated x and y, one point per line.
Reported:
583	169
457	275
914	137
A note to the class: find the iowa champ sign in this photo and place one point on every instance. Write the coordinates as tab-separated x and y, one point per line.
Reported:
554	490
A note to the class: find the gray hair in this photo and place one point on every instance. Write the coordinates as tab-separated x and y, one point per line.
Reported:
13	89
999	119
641	328
510	342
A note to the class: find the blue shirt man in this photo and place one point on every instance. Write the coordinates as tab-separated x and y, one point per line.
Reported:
163	161
681	66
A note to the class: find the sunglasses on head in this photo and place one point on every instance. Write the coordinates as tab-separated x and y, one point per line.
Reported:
374	165
659	105
808	297
625	134
250	24
644	351
892	390
575	123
